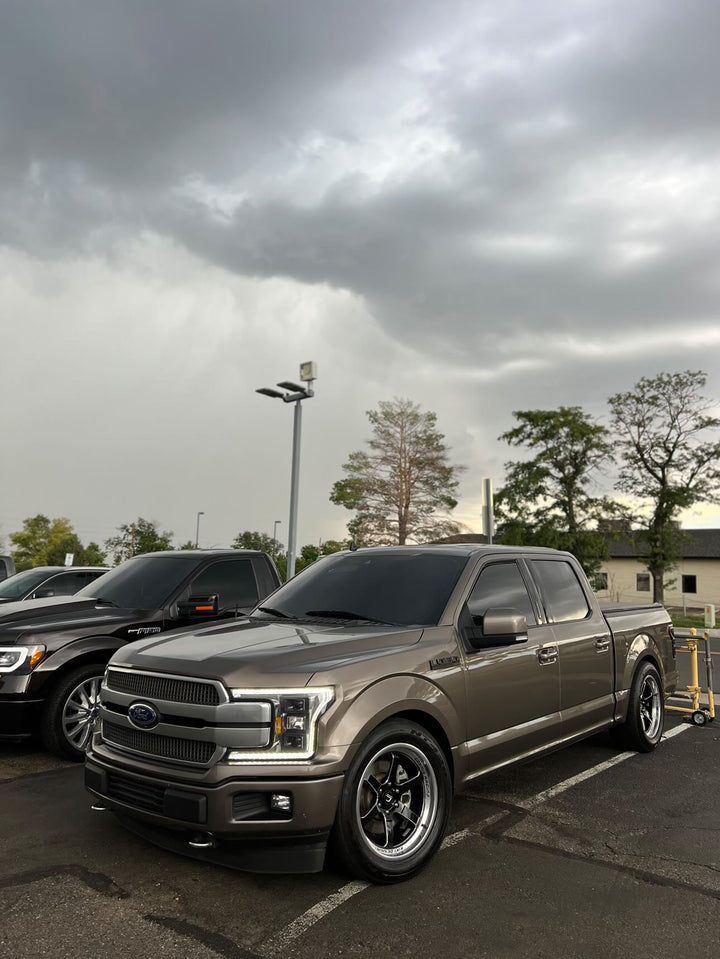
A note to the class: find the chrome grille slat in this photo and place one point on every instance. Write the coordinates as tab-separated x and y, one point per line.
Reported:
196	751
165	688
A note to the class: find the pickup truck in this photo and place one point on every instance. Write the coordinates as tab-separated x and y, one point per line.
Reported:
350	705
53	652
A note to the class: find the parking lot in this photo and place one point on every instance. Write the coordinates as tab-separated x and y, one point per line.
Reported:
587	852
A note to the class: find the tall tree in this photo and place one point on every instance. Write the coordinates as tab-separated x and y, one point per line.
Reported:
546	499
142	536
46	542
402	488
669	458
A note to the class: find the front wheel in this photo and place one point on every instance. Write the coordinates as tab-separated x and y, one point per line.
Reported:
394	804
70	711
645	720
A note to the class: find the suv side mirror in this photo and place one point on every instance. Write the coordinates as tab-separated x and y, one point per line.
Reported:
500	626
43	593
199	607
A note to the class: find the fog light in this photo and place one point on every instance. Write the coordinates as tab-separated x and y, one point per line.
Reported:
281	802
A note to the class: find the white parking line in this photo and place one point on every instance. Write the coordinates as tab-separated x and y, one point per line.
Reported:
298	926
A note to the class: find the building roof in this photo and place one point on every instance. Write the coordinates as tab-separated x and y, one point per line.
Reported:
694	544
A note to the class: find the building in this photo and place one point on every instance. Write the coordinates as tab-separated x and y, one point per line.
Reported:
694	583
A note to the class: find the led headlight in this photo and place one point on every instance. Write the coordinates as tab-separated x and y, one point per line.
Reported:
13	657
295	715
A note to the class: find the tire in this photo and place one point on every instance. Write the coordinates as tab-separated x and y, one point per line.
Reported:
394	804
70	710
645	720
699	718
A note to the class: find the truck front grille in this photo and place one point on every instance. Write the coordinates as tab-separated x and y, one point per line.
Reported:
163	687
196	751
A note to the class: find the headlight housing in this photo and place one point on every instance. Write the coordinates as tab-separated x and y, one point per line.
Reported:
13	657
293	731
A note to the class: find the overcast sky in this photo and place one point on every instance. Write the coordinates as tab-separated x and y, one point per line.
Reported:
482	206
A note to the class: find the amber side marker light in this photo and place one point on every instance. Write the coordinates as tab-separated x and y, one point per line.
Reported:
36	657
204	609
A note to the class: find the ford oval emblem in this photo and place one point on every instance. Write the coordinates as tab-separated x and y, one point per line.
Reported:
143	715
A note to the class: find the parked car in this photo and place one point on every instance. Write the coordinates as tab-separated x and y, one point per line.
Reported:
349	705
53	652
42	582
7	567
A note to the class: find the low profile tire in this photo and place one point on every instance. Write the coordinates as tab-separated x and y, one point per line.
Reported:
70	710
646	711
394	804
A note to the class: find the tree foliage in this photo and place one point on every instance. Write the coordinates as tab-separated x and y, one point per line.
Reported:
142	536
546	499
45	542
669	458
402	488
275	549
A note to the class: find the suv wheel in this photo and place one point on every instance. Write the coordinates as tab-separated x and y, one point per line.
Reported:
70	710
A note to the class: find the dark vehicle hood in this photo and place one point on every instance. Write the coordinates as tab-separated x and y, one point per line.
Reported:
63	613
241	653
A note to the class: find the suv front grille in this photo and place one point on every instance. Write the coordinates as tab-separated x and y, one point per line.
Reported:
196	751
163	687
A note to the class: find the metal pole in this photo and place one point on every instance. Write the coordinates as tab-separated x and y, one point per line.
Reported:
197	528
275	526
488	511
294	483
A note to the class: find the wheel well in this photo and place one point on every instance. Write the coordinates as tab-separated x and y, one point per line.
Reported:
435	729
98	656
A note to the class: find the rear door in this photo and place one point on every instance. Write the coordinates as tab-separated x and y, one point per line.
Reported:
513	688
584	641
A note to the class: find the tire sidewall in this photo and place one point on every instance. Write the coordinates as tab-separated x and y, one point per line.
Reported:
51	726
347	832
645	743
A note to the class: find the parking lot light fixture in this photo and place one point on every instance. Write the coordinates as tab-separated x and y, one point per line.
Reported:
197	528
294	393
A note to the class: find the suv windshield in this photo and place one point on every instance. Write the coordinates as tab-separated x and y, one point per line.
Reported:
402	588
22	583
145	582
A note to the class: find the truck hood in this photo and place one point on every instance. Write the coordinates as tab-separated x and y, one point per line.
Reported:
49	615
243	652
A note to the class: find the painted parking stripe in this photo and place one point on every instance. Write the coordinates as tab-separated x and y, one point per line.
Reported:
299	926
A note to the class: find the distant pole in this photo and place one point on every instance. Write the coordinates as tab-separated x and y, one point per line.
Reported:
275	526
488	518
197	528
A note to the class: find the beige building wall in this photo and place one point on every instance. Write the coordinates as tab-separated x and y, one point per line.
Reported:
622	583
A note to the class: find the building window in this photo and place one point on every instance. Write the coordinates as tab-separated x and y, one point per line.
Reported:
601	581
642	582
689	584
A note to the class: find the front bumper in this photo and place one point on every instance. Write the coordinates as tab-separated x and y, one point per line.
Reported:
230	823
19	709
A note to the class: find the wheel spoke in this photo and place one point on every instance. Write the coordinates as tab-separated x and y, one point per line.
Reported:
407	813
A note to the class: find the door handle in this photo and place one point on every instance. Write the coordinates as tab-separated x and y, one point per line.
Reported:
602	643
547	655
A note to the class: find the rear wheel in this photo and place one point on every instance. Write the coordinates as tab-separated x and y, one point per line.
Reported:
70	712
646	711
394	804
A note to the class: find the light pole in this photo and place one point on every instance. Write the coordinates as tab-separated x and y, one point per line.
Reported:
294	394
275	526
197	528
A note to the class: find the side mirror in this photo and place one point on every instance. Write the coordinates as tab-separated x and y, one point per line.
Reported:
199	607
500	626
43	593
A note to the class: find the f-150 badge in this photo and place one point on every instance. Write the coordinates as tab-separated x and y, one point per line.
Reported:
144	630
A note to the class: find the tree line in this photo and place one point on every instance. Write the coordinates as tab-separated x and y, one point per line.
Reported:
402	487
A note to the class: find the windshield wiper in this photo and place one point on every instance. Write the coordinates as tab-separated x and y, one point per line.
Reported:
346	614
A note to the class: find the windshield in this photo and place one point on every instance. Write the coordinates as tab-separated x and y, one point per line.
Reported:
21	583
145	582
402	588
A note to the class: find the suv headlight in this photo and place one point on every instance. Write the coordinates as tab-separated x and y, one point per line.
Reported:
294	724
13	657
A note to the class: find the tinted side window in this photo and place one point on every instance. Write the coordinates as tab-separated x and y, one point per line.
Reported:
64	584
501	584
233	580
562	592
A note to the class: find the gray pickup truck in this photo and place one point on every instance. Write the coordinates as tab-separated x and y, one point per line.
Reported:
353	701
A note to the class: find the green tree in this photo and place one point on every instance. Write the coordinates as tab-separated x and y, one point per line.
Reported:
402	488
142	536
310	553
45	542
273	547
669	459
546	498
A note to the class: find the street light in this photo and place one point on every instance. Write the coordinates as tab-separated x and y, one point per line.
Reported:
294	393
275	526
197	528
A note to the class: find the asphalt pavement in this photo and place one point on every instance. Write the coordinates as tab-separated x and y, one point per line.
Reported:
583	853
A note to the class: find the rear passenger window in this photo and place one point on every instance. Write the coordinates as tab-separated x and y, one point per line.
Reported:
563	595
501	584
233	580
